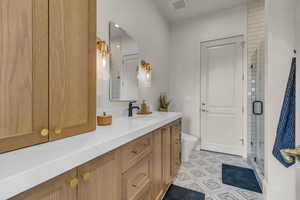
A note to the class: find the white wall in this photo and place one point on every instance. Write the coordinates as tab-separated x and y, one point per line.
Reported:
185	58
142	20
298	71
298	91
280	42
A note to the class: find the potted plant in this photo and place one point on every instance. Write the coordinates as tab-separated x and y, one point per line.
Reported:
163	103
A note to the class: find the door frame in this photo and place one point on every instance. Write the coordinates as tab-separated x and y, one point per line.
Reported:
244	127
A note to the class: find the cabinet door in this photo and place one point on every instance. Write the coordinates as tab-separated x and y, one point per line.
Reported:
146	196
72	60
157	165
100	178
176	147
59	188
23	73
166	156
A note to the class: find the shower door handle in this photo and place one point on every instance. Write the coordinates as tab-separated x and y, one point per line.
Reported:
261	110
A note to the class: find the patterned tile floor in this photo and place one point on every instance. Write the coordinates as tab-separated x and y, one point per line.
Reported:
203	173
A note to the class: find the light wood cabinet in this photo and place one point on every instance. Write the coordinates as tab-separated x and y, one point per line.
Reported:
134	151
140	170
171	151
23	73
146	195
47	70
100	178
176	147
166	156
63	187
136	182
157	179
72	67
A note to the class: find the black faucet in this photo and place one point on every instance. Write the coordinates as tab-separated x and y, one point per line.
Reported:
131	107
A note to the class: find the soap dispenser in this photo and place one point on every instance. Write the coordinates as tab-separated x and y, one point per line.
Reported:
144	109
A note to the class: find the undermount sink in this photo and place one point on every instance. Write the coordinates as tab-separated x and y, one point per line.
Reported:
143	117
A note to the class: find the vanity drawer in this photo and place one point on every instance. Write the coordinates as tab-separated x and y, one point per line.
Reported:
136	182
134	151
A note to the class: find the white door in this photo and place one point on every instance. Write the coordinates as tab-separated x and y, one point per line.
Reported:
129	80
221	95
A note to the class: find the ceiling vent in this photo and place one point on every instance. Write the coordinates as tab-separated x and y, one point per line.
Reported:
178	4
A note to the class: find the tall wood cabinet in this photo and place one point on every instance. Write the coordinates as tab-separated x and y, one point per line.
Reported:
47	70
23	73
72	67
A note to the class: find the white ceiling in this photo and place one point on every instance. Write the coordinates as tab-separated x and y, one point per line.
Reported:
194	8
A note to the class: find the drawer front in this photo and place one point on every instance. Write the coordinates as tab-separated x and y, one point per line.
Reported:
136	150
137	180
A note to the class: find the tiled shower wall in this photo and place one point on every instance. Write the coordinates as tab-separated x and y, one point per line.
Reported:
255	40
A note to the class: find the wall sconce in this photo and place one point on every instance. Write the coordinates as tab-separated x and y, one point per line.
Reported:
145	73
102	47
102	55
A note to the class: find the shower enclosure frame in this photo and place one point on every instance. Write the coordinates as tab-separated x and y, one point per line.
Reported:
256	98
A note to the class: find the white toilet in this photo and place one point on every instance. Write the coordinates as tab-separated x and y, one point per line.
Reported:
188	144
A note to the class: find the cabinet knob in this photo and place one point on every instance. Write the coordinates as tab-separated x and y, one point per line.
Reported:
134	151
45	132
57	131
87	176
74	182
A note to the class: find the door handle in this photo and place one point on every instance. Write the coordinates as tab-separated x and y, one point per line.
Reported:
203	110
261	111
289	155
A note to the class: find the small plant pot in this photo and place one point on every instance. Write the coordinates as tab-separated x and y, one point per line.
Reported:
163	109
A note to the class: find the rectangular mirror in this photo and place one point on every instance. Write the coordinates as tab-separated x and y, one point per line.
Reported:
124	64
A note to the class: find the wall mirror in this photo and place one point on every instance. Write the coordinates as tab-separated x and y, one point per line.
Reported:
124	64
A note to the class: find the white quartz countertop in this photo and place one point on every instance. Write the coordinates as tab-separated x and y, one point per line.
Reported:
23	169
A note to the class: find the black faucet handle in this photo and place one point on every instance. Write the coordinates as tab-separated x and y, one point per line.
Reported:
131	103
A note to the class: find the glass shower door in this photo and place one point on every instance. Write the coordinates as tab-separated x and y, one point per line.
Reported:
258	89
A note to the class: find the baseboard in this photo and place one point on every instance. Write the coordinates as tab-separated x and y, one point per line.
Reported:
265	188
160	197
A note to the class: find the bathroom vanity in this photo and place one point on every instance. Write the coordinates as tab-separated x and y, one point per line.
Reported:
135	158
48	94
